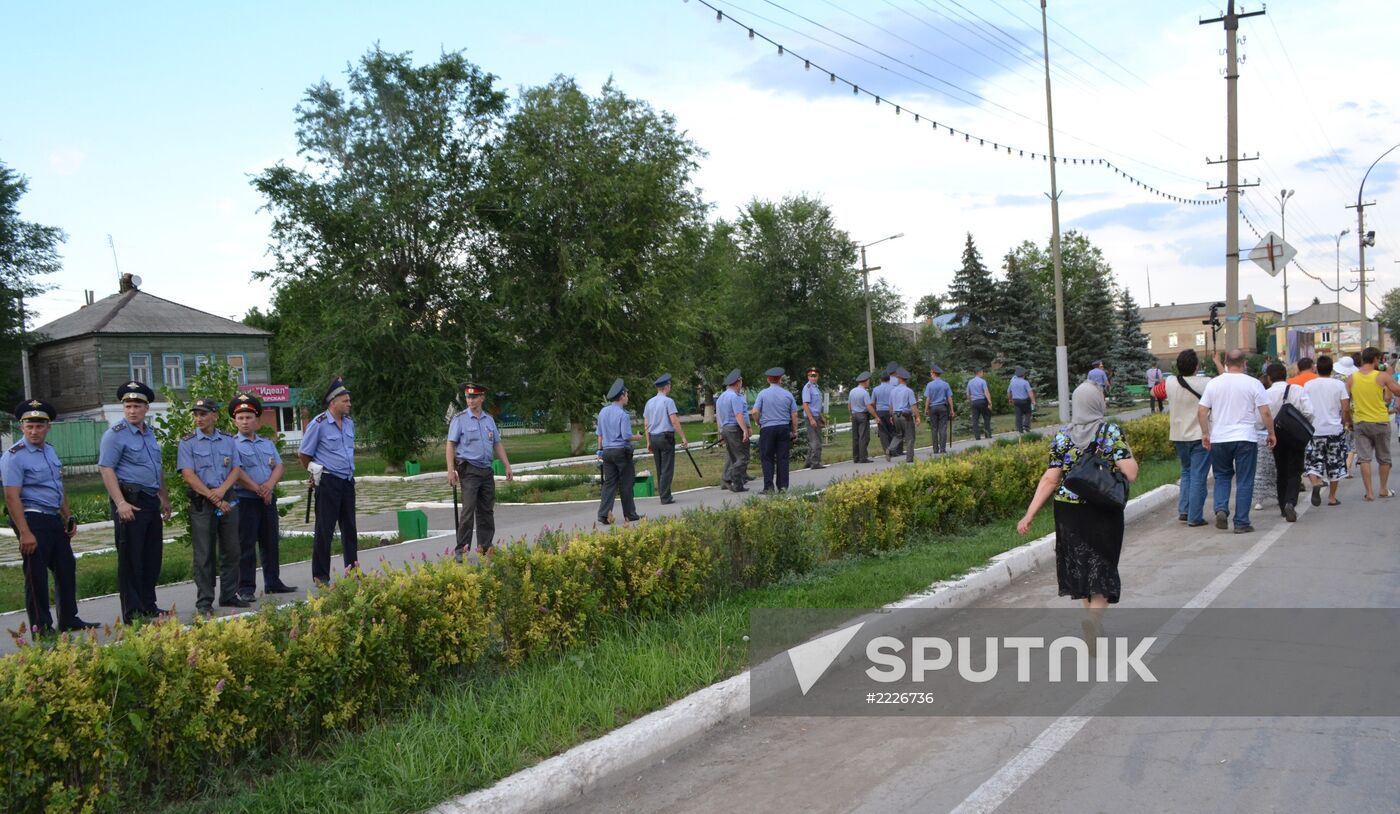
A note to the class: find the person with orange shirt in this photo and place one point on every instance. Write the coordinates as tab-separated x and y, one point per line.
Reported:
1305	372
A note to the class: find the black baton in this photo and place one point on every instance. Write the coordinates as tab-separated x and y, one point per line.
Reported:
310	496
456	518
692	462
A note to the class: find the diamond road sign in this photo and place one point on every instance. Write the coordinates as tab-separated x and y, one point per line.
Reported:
1272	254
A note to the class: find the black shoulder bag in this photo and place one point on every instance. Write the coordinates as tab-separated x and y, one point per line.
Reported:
1290	425
1094	479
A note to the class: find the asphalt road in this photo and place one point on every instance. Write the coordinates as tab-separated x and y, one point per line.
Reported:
1331	558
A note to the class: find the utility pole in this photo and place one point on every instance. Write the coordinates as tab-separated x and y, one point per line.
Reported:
865	276
1283	197
1061	351
1232	173
1364	239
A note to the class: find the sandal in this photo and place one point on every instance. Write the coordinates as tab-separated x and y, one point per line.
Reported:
1387	493
1334	503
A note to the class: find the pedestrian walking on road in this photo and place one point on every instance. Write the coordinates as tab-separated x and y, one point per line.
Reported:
473	442
615	439
1098	375
1305	374
260	470
1288	456
1326	456
776	412
1371	390
884	426
938	406
208	463
1022	397
130	465
862	412
663	424
1183	400
979	395
815	412
903	407
732	415
328	453
1231	405
1343	369
1154	377
1088	538
1265	472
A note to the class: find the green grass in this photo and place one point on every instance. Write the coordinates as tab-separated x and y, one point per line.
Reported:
469	734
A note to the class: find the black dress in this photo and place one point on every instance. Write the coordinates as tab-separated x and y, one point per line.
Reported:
1088	539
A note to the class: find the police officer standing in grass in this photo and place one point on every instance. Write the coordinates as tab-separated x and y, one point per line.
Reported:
1022	397
615	439
41	520
261	469
208	462
328	453
813	410
884	427
776	411
862	410
472	442
938	405
663	424
130	464
979	395
902	405
732	417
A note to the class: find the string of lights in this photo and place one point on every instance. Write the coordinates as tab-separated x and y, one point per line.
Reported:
1296	265
953	132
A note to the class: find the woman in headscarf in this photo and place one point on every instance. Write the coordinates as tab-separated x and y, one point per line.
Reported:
1088	539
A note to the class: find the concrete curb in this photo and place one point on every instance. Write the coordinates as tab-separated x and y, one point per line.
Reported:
563	779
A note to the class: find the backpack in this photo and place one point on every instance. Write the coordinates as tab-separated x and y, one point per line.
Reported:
1290	425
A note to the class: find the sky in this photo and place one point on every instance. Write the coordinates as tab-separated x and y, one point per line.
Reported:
146	121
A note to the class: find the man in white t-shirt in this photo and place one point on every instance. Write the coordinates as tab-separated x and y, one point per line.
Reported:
1230	406
1326	457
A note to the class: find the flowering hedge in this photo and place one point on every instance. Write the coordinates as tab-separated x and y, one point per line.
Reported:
87	727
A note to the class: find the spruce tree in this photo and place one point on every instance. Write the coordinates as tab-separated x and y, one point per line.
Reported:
1129	356
1022	318
974	299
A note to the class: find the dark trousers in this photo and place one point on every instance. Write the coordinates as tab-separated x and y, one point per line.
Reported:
885	429
478	507
940	425
981	416
736	457
53	553
214	538
1288	465
1023	415
663	455
774	447
257	539
814	441
1154	404
904	425
860	437
335	505
139	553
619	475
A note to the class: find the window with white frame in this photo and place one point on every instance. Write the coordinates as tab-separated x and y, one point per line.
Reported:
239	363
1149	343
1172	340
139	366
1200	339
200	360
174	367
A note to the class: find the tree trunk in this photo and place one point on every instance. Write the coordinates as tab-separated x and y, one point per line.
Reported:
576	438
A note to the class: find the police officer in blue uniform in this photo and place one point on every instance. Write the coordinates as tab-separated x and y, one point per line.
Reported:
776	412
130	464
902	407
979	396
663	424
260	470
39	515
732	416
615	439
1022	397
814	411
884	425
329	444
473	441
938	405
208	462
862	411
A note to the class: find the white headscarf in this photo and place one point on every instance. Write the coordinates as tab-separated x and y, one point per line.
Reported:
1087	409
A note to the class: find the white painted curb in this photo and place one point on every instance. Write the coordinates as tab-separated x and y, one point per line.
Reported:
563	779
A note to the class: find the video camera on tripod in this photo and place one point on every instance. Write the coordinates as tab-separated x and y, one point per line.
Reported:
1214	322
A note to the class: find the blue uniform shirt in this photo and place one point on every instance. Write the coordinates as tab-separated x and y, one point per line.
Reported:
1098	376
881	395
38	474
729	403
902	399
858	400
937	392
331	446
977	389
615	427
475	437
1019	388
812	396
131	451
211	457
775	406
257	457
658	412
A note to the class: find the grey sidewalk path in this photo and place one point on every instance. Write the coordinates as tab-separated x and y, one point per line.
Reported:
1332	557
512	522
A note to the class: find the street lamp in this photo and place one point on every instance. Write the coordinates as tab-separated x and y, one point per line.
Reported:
1337	338
865	276
1283	197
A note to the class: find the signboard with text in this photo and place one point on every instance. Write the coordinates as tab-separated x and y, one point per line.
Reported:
268	392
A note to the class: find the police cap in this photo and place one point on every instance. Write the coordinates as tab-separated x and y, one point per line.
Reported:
473	389
932	368
35	410
734	376
863	376
902	373
135	391
204	406
245	403
615	392
663	380
336	388
774	372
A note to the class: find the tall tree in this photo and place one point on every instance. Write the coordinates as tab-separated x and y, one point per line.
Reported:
973	299
28	251
594	244
1128	356
373	240
1025	325
929	305
1389	315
